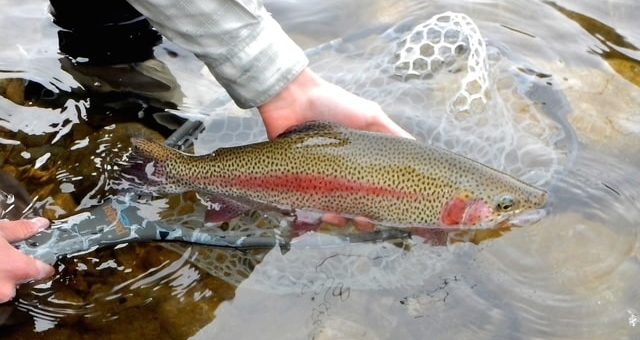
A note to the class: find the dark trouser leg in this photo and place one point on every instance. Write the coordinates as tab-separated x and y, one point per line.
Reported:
103	32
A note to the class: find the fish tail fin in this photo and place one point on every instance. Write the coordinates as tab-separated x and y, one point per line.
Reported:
146	167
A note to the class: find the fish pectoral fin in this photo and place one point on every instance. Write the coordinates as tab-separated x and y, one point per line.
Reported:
431	236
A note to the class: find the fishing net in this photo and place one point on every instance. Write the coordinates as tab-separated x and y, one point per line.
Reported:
446	86
232	266
443	84
447	42
357	266
440	81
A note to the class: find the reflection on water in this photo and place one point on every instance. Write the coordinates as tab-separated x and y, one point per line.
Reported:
561	110
86	296
615	48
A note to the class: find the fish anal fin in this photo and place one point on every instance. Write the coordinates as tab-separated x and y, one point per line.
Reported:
432	236
222	209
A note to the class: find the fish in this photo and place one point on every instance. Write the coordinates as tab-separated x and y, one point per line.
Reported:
325	167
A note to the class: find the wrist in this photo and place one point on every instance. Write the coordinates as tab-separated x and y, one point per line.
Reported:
291	106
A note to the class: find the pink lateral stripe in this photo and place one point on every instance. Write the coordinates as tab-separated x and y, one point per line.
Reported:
313	184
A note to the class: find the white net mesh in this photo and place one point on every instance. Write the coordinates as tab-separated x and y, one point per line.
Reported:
464	96
447	42
358	266
232	266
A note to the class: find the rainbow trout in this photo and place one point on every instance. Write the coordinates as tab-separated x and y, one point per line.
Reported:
324	167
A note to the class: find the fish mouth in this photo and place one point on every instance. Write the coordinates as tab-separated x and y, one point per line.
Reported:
528	217
522	219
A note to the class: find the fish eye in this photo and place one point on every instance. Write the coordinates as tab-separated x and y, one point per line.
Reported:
506	203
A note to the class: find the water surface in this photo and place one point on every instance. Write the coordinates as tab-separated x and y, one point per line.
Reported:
559	108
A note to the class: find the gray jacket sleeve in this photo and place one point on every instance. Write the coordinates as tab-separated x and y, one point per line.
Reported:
241	44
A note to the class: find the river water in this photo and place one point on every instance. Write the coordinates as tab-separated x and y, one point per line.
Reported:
547	91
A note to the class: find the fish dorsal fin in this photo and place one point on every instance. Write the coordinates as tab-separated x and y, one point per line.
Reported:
312	126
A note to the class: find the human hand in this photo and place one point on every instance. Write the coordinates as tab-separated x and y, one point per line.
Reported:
310	97
15	267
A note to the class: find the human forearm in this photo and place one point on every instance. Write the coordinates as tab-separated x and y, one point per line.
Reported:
239	41
259	65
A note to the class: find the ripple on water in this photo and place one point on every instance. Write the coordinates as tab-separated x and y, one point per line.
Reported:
570	275
107	287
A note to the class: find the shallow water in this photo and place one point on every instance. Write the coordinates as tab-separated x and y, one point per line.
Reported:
560	110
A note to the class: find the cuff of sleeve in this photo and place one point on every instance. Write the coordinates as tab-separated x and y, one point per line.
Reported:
263	68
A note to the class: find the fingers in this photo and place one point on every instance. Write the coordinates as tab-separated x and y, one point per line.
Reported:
7	291
386	125
309	97
14	231
364	224
16	268
361	223
334	219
